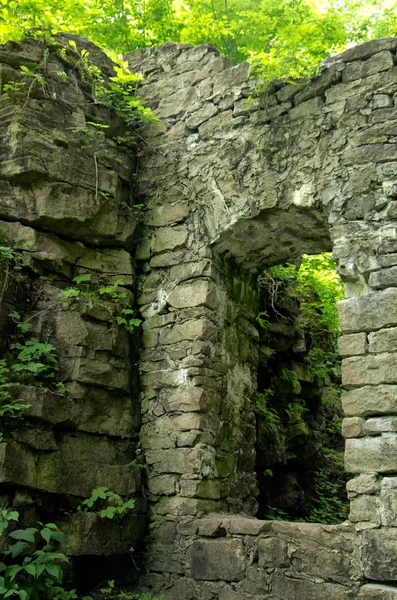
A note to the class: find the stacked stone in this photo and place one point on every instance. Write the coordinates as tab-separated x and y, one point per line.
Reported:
63	213
256	178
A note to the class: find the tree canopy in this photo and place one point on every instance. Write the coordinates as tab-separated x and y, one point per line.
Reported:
283	38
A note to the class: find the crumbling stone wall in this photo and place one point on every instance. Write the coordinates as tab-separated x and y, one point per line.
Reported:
231	185
255	179
63	219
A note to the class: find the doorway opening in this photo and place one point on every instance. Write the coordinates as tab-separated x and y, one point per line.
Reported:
299	453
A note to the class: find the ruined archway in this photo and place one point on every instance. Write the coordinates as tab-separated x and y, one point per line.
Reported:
233	181
244	181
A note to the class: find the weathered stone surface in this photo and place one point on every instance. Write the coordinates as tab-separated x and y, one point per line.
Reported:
381	424
365	508
388	502
353	344
217	560
196	293
169	238
366	483
374	591
373	311
369	370
353	427
370	400
89	534
378	62
378	554
384	340
371	454
290	588
167	214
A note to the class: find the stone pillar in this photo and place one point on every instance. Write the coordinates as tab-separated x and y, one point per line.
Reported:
368	319
198	381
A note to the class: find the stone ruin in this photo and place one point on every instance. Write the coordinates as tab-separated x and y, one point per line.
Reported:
232	180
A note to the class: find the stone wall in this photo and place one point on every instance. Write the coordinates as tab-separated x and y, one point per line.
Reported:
233	181
67	214
254	179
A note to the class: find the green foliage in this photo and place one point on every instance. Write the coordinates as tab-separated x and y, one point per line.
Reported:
31	361
110	297
111	594
317	287
328	502
31	567
107	504
300	302
281	39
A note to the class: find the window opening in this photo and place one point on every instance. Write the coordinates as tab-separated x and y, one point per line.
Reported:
299	461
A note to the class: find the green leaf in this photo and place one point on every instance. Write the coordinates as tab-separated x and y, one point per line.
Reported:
17	549
46	534
12	571
54	571
31	569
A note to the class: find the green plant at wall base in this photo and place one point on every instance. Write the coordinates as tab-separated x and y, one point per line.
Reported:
329	504
107	504
110	297
31	567
110	593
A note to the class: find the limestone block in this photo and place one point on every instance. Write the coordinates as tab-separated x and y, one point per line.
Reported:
369	370
196	293
366	483
369	400
201	115
353	344
183	506
384	278
384	340
380	425
379	548
208	488
227	594
379	62
186	399
374	591
89	534
167	214
104	411
246	525
273	552
290	588
365	508
306	109
353	427
189	330
163	485
211	526
186	461
371	454
363	51
388	502
256	582
169	238
371	312
38	437
46	405
222	559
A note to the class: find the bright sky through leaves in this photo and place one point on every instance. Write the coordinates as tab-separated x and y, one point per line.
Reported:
283	37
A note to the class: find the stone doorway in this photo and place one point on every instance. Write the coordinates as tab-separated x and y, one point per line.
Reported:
299	445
